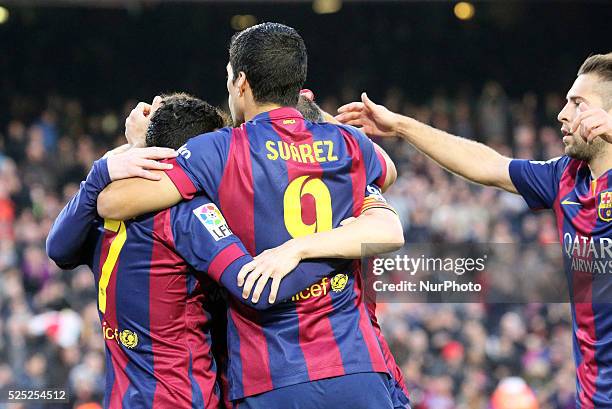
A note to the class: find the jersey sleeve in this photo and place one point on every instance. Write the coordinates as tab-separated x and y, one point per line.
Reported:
201	236
375	165
200	164
374	199
538	181
68	243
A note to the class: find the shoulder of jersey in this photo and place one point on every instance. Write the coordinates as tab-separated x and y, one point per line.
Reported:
351	130
562	160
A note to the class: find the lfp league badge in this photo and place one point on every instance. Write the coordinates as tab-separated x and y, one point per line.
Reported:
210	216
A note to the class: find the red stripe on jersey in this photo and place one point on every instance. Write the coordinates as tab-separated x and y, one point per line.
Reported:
365	324
201	354
316	335
119	359
166	291
358	172
588	369
238	177
567	183
254	353
226	257
180	179
224	385
392	365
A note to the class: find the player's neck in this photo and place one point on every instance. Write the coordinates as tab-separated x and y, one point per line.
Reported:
601	164
256	109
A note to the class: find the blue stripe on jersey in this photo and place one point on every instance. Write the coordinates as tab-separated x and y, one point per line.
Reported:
95	265
109	377
131	286
266	202
337	182
234	363
577	353
197	401
346	316
192	282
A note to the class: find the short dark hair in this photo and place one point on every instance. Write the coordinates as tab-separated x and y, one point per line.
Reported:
180	117
600	65
309	109
274	60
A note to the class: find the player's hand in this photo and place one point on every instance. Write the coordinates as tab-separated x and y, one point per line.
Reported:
593	123
137	123
308	94
373	119
139	162
272	264
120	149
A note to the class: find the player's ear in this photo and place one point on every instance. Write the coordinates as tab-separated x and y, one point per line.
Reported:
241	82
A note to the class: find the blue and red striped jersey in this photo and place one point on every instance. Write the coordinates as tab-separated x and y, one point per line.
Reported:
583	209
150	296
276	177
154	307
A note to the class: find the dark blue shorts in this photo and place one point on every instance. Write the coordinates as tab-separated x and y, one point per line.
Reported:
398	396
367	390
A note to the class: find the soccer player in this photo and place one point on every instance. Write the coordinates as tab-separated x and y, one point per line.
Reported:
399	391
577	186
153	301
277	178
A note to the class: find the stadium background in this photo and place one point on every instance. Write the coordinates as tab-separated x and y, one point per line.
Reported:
70	72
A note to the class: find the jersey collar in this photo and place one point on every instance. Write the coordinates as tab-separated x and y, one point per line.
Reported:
278	113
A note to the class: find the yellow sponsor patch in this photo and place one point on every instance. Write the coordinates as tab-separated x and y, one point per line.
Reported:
128	338
339	282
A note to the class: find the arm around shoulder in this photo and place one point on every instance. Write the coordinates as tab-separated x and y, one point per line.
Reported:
128	198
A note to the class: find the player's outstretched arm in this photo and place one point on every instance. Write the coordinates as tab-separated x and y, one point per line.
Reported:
469	159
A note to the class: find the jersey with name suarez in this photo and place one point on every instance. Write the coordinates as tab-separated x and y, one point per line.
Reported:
583	209
277	177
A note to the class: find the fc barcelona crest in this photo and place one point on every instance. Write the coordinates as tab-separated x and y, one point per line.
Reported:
604	209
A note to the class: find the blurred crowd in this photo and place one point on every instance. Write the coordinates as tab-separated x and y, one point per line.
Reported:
453	356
